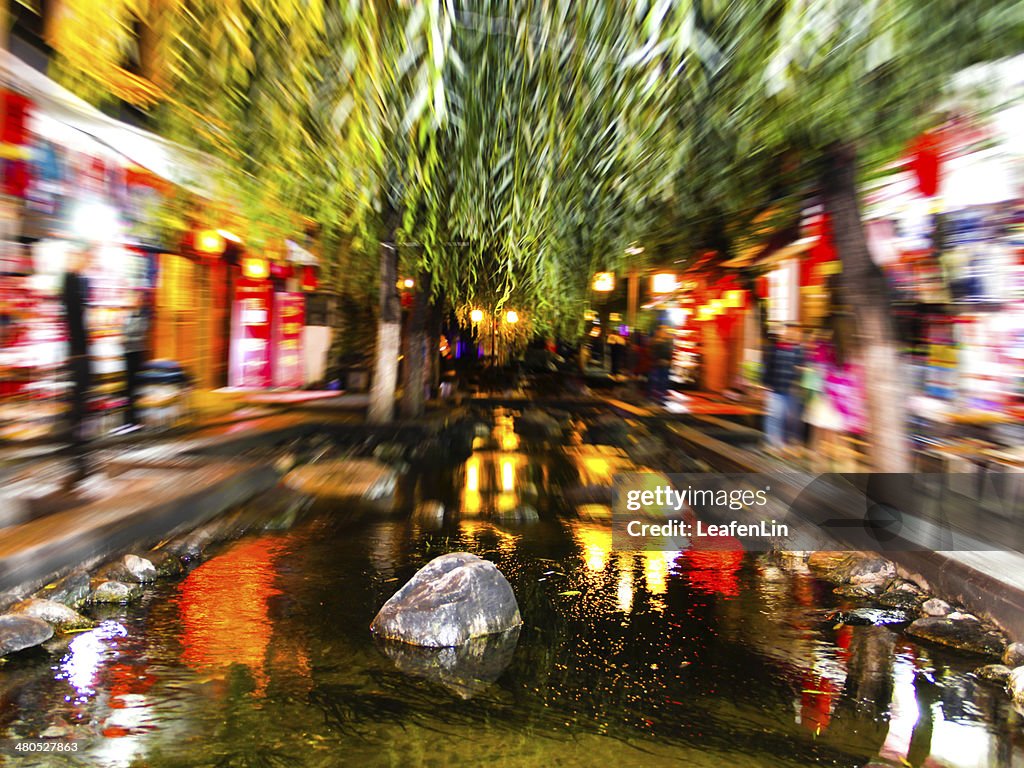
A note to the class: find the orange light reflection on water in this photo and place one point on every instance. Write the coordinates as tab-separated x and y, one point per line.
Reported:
224	609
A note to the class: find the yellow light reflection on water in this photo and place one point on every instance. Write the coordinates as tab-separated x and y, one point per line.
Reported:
472	502
508	475
624	593
596	542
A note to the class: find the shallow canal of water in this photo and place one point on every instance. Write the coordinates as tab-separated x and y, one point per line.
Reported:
262	656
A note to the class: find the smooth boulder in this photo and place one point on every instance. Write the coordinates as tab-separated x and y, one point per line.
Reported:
936	607
860	568
965	634
72	590
115	592
59	615
1015	687
450	600
1013	656
20	632
994	673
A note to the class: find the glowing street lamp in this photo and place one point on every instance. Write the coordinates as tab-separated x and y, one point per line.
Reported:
477	315
734	299
663	282
210	242
511	317
408	282
604	282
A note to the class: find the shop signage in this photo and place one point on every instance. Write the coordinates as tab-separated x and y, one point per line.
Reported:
289	316
250	334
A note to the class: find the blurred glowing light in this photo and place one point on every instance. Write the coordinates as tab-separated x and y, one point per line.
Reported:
635	250
95	222
255	268
734	299
508	475
624	593
677	315
85	654
477	315
716	306
511	317
229	236
597	545
408	282
210	242
604	282
663	282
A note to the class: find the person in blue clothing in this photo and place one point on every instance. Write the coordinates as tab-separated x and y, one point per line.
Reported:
781	375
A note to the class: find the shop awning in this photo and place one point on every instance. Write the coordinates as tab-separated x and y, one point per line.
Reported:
299	255
763	257
65	118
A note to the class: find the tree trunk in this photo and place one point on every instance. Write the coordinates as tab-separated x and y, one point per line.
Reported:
389	328
417	362
867	293
436	322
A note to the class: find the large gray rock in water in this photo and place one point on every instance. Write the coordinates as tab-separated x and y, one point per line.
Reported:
450	600
467	669
20	632
59	615
966	634
72	590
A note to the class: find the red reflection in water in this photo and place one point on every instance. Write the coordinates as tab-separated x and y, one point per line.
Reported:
713	568
817	694
224	609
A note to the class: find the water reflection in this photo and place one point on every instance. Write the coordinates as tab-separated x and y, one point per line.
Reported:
467	670
703	657
86	653
224	609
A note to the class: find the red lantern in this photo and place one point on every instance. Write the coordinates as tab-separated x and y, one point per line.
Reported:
309	279
762	287
925	164
14	129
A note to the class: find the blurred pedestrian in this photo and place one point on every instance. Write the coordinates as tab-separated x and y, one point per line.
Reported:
661	360
783	360
136	335
617	351
824	421
75	300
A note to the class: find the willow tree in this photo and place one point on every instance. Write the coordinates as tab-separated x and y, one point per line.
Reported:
813	92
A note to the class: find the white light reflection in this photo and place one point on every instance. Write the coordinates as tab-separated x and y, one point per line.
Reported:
904	713
85	654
